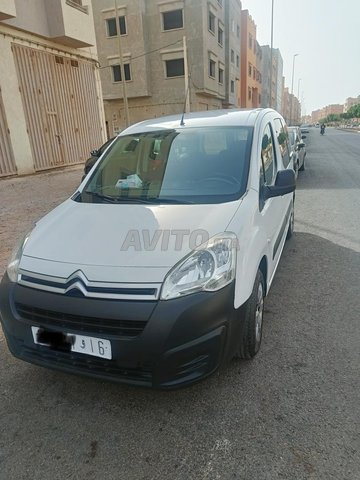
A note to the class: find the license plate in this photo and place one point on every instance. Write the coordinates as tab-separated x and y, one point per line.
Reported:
97	347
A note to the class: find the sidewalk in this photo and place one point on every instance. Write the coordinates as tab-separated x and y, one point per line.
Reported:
24	200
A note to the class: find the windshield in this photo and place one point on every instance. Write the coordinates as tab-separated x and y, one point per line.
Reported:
193	165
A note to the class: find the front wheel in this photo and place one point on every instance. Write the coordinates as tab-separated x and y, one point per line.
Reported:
290	231
249	343
302	168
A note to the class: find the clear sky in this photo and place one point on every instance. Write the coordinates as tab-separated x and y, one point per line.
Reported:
325	34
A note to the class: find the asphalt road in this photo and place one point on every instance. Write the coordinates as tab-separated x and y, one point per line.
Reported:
291	413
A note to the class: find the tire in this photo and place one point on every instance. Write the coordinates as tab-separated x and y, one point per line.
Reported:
302	168
249	344
291	224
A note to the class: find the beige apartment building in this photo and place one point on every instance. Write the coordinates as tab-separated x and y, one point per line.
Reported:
350	102
251	58
322	113
51	110
147	37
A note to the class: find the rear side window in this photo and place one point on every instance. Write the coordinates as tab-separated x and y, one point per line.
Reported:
282	138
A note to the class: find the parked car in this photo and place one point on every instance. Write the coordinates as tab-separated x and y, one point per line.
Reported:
297	148
155	271
304	128
95	155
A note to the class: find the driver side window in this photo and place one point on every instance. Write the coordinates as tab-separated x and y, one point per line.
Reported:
268	165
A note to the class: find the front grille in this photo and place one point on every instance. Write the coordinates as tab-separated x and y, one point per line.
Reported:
88	365
80	323
77	284
65	287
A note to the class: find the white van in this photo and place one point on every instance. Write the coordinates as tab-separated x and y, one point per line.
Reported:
155	271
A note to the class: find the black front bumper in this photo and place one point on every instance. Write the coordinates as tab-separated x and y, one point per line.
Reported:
161	344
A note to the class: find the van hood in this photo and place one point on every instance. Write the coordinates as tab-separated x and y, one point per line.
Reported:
125	235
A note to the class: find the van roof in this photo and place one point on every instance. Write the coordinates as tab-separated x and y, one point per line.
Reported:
229	117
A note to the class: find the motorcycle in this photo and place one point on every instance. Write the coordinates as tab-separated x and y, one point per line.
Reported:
322	130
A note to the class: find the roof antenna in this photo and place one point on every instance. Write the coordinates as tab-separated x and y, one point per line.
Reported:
187	84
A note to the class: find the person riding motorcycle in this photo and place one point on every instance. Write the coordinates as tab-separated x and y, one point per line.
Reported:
322	128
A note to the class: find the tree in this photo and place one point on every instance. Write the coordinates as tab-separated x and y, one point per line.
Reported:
354	111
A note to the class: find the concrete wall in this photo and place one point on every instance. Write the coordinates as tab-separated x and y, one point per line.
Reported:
55	19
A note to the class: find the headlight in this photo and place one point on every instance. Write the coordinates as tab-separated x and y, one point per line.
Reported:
208	268
13	266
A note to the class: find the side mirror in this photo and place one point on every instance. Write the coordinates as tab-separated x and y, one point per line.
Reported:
301	145
284	183
95	153
303	136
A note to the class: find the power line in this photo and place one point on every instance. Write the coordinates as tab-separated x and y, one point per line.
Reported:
147	53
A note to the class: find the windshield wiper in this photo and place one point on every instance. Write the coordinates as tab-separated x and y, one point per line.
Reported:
173	201
103	197
141	200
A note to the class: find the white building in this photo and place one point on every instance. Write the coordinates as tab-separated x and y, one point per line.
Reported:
51	111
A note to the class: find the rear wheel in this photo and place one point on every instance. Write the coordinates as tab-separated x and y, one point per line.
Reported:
250	342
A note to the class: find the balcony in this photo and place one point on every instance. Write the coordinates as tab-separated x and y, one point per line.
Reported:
7	9
70	23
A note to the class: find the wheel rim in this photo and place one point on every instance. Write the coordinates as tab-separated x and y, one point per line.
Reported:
259	313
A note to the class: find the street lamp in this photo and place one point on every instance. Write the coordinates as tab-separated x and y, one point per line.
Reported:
271	51
292	87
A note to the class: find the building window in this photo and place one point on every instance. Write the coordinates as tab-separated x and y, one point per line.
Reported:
221	75
249	93
116	71
250	69
254	73
232	86
259	99
111	26
232	56
211	22
212	68
122	25
175	68
250	41
237	61
173	19
238	31
220	36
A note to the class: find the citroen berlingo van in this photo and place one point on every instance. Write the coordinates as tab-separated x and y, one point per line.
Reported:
155	271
